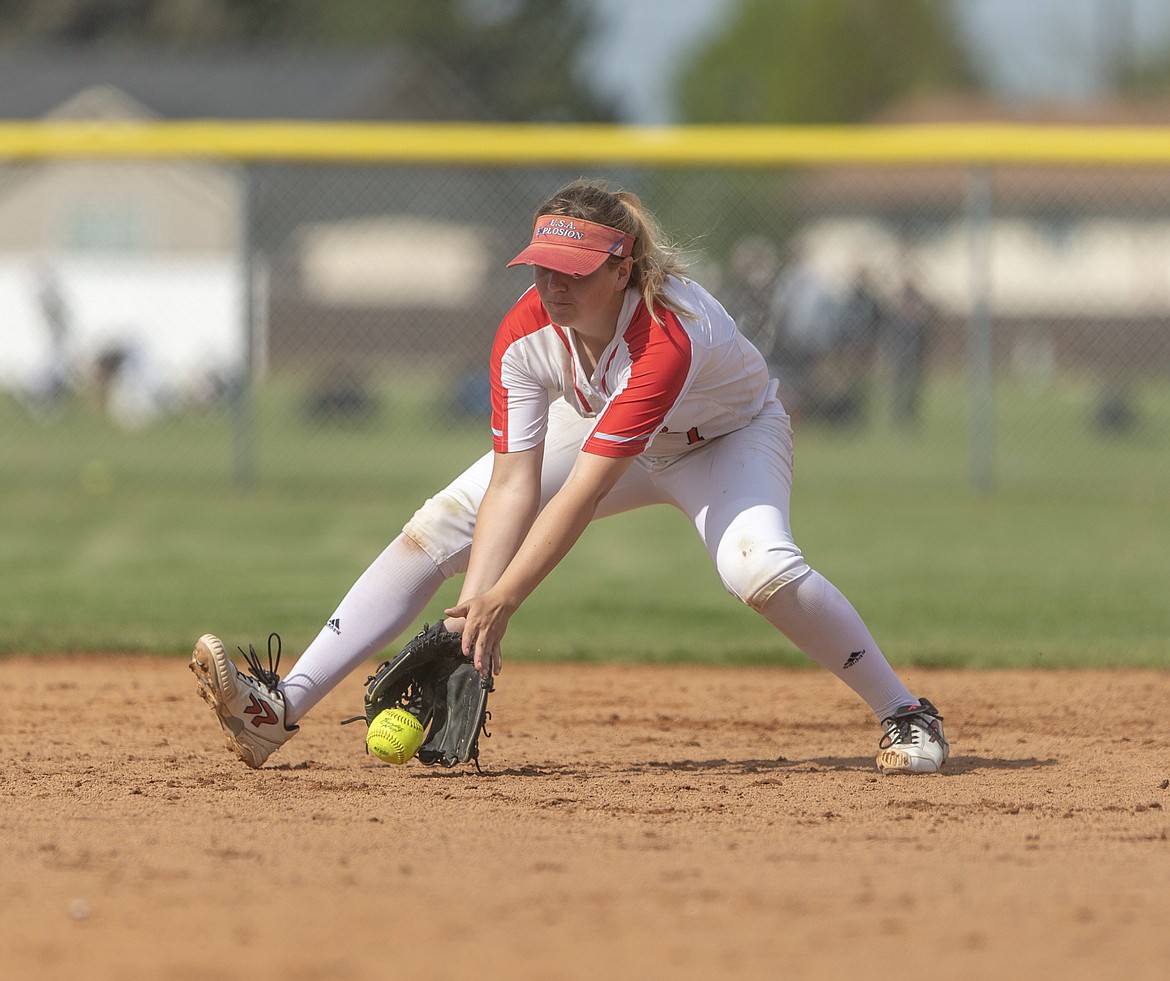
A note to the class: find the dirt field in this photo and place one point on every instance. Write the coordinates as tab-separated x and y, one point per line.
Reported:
630	823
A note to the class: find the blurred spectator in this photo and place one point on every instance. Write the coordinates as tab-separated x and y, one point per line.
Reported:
807	308
342	395
749	290
1114	413
908	326
127	385
825	343
473	394
843	371
53	383
862	314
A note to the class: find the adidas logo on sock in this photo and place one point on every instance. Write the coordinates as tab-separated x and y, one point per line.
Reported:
854	658
335	625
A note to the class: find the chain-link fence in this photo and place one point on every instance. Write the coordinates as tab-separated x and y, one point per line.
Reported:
273	319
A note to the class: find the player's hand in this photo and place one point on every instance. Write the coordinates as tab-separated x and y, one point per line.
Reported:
484	621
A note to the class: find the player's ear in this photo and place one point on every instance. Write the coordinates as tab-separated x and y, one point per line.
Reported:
625	269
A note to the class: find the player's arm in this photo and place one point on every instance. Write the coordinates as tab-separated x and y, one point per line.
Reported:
505	515
551	535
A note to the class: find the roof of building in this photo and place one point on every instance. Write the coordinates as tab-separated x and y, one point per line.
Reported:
1050	189
289	83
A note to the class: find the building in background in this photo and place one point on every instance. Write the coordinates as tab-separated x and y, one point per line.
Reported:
1078	257
150	260
120	277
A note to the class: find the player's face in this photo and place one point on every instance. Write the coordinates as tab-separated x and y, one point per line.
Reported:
583	302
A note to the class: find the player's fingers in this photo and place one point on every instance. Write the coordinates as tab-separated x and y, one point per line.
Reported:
497	660
473	646
482	661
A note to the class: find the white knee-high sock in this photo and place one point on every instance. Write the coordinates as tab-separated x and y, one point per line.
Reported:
815	615
387	598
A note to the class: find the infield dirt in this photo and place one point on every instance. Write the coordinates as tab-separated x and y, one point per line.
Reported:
630	822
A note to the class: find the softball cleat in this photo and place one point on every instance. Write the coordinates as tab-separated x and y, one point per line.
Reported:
250	707
913	740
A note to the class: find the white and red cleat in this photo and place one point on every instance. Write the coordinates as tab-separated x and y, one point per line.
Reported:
250	707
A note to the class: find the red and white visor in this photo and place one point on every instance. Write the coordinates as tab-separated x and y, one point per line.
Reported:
572	245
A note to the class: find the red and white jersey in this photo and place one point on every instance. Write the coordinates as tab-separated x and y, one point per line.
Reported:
659	389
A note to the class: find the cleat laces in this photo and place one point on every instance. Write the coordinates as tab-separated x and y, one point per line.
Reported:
268	677
904	728
897	734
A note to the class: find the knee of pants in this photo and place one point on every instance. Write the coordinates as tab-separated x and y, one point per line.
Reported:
443	528
753	572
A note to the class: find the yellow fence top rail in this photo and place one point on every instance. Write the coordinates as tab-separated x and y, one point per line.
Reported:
487	144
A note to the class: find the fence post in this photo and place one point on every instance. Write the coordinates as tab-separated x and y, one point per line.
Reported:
980	352
241	409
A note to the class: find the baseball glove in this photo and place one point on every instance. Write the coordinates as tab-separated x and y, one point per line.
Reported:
439	686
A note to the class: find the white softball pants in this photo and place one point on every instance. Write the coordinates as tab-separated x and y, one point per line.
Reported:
735	490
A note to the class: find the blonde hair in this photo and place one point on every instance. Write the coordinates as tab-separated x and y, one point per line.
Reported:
656	259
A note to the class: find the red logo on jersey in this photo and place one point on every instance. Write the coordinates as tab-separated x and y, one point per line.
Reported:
262	711
693	436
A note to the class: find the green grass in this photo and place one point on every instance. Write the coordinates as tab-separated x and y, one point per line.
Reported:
139	541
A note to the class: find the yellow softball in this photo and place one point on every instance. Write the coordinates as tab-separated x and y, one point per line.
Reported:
394	736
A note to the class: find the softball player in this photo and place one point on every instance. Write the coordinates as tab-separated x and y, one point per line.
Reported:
617	382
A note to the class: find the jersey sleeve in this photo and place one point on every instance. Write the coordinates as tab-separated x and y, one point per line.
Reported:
660	364
519	399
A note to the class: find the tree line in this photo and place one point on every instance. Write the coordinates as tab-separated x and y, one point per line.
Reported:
793	61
